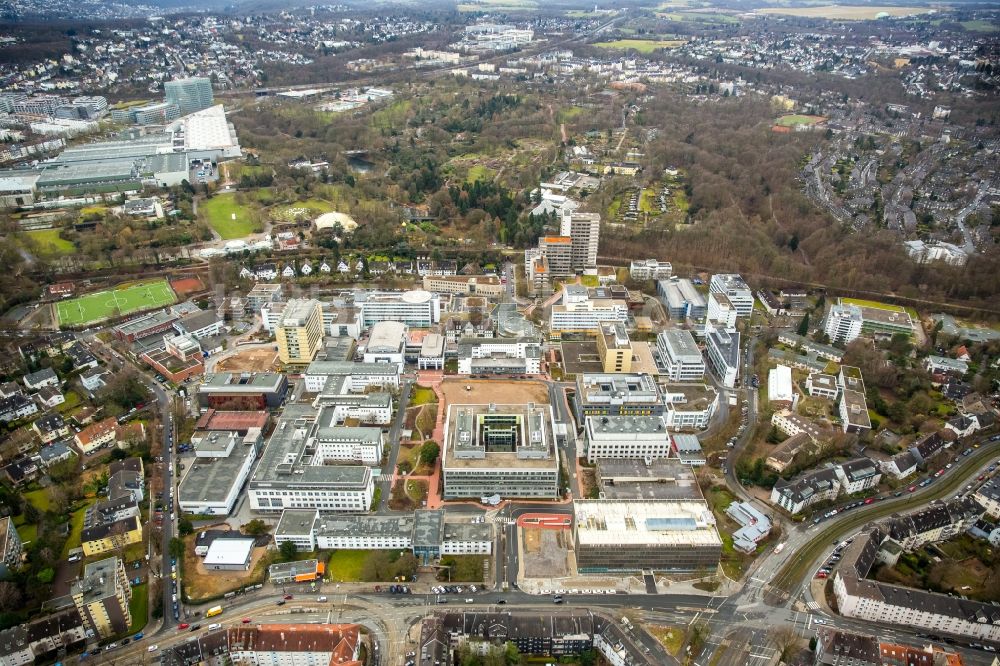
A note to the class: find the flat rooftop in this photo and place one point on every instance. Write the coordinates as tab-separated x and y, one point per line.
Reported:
341	525
697	397
499	436
283	462
227	382
210	479
226	551
620	425
640	523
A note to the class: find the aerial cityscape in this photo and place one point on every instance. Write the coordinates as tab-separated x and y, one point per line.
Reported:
500	332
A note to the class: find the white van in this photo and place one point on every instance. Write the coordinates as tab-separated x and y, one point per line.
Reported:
321	599
214	625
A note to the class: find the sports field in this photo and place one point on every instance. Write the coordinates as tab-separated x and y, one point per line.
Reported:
641	45
114	303
872	304
798	119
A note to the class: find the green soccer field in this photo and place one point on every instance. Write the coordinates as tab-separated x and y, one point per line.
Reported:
103	305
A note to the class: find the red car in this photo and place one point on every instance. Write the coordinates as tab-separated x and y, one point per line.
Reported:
246	620
287	597
820	574
869	500
182	626
911	488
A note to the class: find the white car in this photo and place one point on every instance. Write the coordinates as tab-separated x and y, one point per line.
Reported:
152	648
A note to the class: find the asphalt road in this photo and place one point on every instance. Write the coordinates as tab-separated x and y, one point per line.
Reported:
385	481
809	542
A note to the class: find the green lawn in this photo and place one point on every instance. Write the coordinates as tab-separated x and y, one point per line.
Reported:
115	303
76	528
641	45
478	172
421	395
980	26
228	218
798	119
347	565
699	17
50	244
589	281
27	532
873	304
39	499
139	607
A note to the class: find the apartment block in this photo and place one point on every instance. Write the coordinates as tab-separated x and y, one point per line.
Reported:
102	596
584	231
650	269
299	333
843	323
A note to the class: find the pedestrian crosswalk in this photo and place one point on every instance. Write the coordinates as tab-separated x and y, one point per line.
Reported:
504	520
384	477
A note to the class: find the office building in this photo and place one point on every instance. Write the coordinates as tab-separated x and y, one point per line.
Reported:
426	533
499	356
505	450
754	526
557	251
299	333
102	596
222	464
733	286
144	326
294	473
722	347
416	308
578	313
626	437
632	536
190	95
822	385
584	231
241	392
650	269
721	311
360	377
617	395
843	323
614	348
678	356
689	406
489	286
263	293
386	343
681	299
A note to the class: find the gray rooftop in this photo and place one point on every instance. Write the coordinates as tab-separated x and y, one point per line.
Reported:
296	522
282	462
428	526
342	525
210	479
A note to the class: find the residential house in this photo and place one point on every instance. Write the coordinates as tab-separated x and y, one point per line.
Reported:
96	435
44	377
50	427
804	491
50	397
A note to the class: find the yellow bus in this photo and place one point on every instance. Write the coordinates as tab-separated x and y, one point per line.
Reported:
213	611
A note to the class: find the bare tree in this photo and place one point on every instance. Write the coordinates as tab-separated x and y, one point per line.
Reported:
785	640
10	596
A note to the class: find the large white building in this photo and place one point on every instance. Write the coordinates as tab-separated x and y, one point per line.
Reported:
425	532
722	346
650	269
506	450
733	286
721	311
222	464
679	356
416	308
477	356
386	343
360	377
689	406
343	443
626	437
843	323
293	475
578	313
